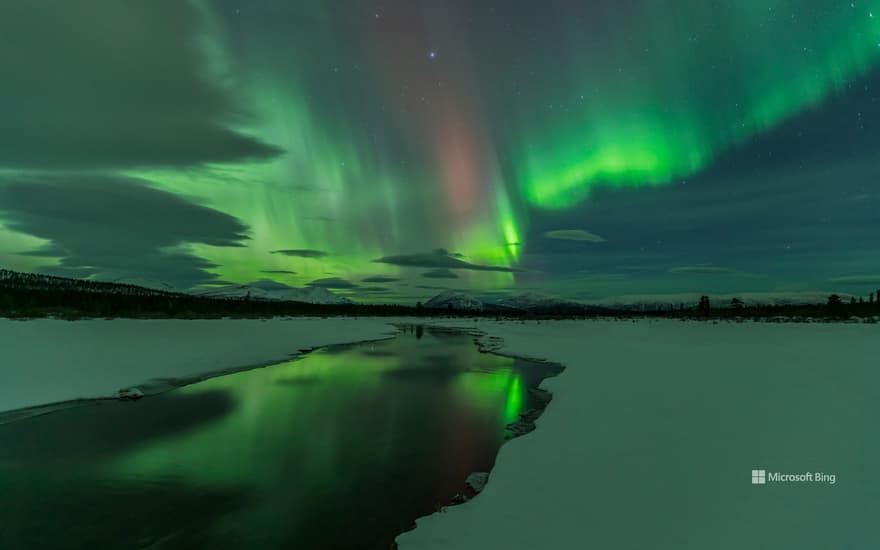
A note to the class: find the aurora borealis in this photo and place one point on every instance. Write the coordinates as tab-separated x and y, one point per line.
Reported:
389	149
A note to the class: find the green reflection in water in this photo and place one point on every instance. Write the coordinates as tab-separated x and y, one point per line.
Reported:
398	423
495	391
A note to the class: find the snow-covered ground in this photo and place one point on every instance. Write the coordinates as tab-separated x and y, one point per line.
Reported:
45	361
654	430
649	442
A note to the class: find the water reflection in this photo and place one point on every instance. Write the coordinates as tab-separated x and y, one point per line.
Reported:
341	449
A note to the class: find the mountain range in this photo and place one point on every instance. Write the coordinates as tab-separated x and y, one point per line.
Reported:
526	302
269	290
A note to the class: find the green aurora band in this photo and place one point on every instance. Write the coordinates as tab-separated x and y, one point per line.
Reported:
663	107
389	152
624	112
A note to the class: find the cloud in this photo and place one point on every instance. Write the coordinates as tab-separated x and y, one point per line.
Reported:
370	289
440	259
440	274
115	227
702	270
278	271
104	84
589	276
379	279
301	253
856	280
332	282
269	284
574	235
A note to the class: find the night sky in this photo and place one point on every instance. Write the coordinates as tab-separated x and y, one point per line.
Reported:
387	150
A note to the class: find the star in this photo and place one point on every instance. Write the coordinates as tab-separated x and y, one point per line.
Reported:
432	54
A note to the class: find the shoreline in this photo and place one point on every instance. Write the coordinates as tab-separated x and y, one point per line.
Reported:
150	355
433	316
625	408
524	425
538	401
735	374
159	386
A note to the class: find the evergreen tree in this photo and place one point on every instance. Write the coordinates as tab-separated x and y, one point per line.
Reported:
704	305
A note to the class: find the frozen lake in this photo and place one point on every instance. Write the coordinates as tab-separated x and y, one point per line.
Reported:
343	448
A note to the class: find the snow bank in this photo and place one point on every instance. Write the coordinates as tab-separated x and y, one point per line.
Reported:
654	429
45	361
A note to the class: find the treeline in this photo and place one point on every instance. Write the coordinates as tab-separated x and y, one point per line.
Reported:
28	295
16	280
835	308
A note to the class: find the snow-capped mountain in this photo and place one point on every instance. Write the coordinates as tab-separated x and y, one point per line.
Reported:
527	302
530	301
451	299
276	292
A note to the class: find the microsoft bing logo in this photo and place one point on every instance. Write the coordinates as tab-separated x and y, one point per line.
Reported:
762	477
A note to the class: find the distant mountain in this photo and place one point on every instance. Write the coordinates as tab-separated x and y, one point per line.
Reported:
272	291
537	303
451	299
527	302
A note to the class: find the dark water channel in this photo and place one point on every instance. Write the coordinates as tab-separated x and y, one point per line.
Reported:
341	449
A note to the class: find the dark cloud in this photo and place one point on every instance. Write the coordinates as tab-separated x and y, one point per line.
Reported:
440	274
856	280
115	227
105	83
278	271
439	259
574	235
332	282
379	279
269	284
702	270
301	252
369	289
